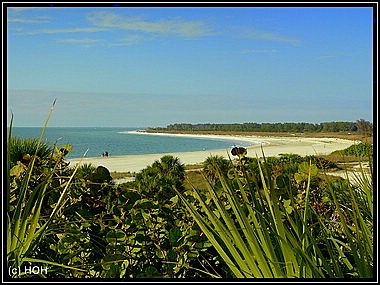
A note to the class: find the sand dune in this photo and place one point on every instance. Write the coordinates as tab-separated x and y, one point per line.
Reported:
272	146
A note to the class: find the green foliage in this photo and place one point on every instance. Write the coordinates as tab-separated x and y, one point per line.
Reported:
101	174
364	127
159	179
124	233
21	150
85	171
304	172
155	239
354	244
237	234
28	183
80	237
209	166
264	230
321	162
364	150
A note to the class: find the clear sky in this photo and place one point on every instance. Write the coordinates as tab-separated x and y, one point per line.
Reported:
151	66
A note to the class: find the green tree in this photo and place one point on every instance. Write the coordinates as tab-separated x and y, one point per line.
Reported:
210	166
158	179
364	127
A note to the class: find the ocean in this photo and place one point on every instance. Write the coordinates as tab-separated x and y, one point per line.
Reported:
116	141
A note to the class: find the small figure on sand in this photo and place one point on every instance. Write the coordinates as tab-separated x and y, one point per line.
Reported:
105	154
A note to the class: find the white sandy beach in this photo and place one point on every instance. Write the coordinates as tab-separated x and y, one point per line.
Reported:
272	146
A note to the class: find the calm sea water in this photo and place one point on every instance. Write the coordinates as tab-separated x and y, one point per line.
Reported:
117	142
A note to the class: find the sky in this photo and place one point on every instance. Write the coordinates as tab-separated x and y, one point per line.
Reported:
154	66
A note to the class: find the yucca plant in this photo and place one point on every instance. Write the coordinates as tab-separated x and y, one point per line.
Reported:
355	247
251	239
261	236
25	227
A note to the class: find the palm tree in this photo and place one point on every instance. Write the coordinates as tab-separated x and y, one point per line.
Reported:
22	150
159	179
170	166
146	180
210	166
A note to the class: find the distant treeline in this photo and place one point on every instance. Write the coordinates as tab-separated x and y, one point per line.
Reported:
361	126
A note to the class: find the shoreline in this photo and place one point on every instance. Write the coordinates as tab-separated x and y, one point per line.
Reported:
272	146
241	138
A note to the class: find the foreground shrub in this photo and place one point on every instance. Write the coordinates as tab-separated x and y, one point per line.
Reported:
260	235
28	182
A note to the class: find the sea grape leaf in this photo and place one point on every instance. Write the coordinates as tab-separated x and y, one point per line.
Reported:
174	235
288	207
17	170
111	259
115	236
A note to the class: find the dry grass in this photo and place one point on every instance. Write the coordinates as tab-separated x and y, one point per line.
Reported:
119	175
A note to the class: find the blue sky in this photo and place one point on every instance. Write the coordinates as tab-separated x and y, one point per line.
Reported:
156	66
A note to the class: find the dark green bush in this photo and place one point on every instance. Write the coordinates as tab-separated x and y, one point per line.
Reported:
359	150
